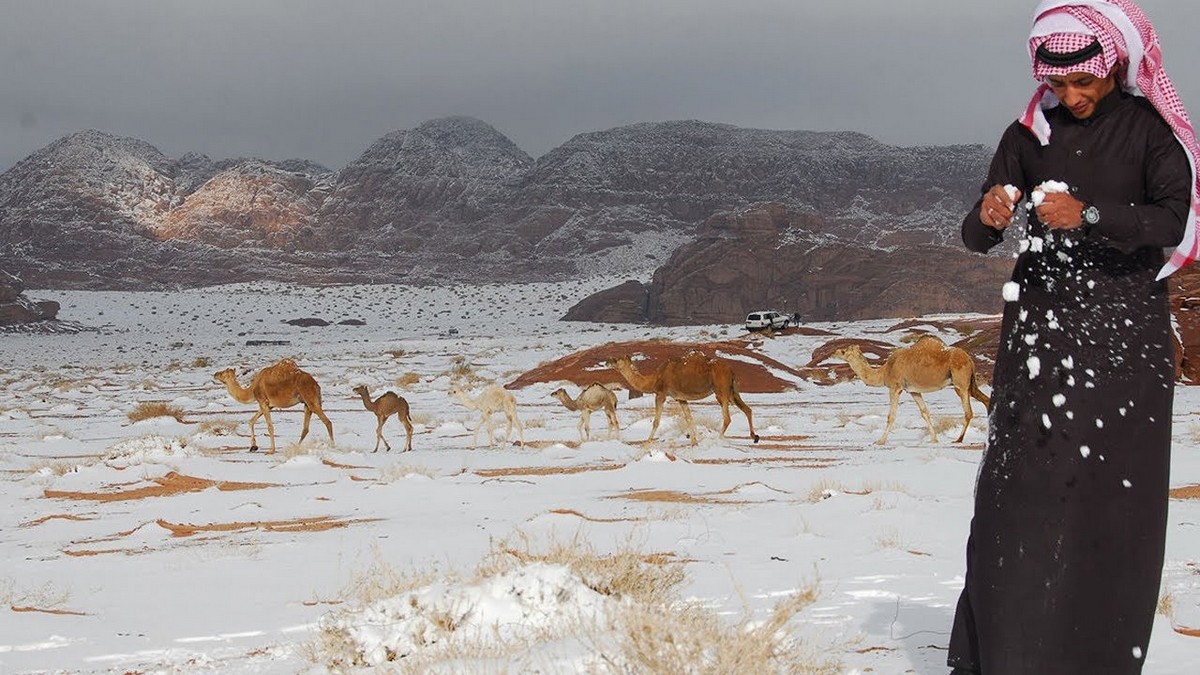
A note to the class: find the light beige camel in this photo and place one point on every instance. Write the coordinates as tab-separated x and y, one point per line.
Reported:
691	377
593	397
388	404
492	399
927	365
280	385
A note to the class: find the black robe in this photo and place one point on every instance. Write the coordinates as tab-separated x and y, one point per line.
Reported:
1066	548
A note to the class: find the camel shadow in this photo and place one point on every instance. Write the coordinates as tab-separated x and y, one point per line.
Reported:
921	631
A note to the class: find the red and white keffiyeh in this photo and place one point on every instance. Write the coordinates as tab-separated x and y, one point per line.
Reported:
1127	38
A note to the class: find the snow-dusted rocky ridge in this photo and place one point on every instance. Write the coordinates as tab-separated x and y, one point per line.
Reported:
453	198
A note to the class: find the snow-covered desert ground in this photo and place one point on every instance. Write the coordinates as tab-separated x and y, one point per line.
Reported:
163	545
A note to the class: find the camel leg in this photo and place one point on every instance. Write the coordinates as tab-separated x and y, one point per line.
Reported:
925	413
745	408
614	426
475	433
408	430
307	419
965	396
379	436
585	426
329	425
894	395
686	411
520	428
491	430
659	398
508	425
266	412
253	419
725	418
979	395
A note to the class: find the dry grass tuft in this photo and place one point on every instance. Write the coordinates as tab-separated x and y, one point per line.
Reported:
407	380
202	362
1166	605
151	409
218	427
649	628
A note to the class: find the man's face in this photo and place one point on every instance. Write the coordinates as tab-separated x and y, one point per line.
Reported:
1081	91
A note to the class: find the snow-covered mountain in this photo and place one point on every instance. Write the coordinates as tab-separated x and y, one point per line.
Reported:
454	199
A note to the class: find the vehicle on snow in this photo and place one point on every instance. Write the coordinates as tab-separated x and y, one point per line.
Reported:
765	319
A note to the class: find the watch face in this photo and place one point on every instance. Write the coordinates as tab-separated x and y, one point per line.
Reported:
1091	215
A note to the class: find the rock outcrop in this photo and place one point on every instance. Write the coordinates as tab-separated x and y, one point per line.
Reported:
774	257
16	309
454	200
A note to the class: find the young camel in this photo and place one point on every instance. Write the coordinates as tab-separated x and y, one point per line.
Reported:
928	365
385	406
493	398
688	378
280	385
593	397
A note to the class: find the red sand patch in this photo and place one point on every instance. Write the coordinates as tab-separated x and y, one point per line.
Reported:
170	484
755	372
673	496
572	512
314	524
1183	630
343	466
1185	492
545	470
57	516
83	553
59	612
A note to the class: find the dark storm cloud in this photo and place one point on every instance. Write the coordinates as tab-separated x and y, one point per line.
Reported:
322	80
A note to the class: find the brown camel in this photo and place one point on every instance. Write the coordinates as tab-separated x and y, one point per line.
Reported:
687	378
281	385
927	365
593	397
388	404
492	399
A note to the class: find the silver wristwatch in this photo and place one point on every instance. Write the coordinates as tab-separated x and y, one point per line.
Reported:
1090	214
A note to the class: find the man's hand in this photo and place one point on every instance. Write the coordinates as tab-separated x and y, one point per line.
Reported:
1060	211
996	210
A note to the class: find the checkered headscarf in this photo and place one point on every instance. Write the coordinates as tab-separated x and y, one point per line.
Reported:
1127	39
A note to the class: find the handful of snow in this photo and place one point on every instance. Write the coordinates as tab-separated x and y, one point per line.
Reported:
1039	193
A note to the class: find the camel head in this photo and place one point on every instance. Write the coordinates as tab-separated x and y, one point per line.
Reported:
847	353
617	363
559	393
225	376
361	390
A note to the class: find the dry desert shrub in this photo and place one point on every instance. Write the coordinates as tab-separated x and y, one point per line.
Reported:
424	418
823	489
649	630
44	597
202	362
151	409
407	380
1166	605
889	538
217	427
391	473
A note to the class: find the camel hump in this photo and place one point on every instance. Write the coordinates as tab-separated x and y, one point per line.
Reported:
927	341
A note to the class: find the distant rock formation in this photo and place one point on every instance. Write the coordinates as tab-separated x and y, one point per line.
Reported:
774	257
16	309
455	200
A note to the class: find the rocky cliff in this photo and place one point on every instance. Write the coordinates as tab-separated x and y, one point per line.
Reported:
774	257
454	200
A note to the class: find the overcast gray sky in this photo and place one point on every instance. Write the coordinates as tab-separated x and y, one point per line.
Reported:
322	80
